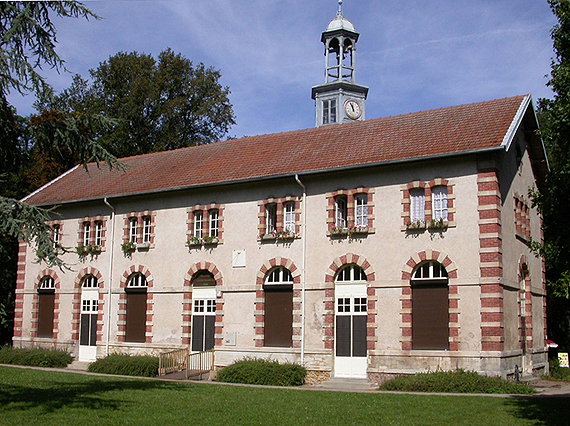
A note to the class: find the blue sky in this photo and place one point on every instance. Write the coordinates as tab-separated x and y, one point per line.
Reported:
413	55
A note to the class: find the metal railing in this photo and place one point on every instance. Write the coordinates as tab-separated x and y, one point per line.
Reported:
172	361
199	363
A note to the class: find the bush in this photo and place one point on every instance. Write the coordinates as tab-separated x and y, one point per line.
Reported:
255	371
459	381
126	365
35	357
561	374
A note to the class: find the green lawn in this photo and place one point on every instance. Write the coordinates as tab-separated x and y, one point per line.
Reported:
38	398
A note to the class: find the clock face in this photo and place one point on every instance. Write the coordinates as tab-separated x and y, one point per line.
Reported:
352	109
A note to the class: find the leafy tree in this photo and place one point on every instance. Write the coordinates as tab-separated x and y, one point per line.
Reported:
553	203
161	104
28	43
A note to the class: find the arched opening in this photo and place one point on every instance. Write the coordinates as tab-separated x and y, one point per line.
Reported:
88	318
135	327
278	319
430	307
46	302
203	311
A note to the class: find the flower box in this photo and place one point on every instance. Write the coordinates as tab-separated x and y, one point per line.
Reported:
416	225
269	237
438	224
358	229
128	247
286	235
143	246
337	230
210	240
194	242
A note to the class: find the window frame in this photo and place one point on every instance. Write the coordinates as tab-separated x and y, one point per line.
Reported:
329	111
341	211
417	205
289	216
99	233
86	233
213	222
147	229
439	202
361	210
133	230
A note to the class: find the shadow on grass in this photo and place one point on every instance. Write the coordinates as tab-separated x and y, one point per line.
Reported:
548	410
89	394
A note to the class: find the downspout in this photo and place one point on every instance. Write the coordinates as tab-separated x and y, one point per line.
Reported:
303	285
111	247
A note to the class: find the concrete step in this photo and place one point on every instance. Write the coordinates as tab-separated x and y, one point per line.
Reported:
347	384
78	366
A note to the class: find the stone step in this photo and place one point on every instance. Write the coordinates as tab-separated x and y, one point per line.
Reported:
78	365
347	384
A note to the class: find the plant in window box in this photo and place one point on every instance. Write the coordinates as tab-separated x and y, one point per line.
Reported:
286	235
89	250
143	246
128	247
94	250
438	224
194	241
416	224
357	229
338	230
211	240
272	235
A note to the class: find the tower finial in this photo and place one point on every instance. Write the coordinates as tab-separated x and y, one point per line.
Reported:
339	6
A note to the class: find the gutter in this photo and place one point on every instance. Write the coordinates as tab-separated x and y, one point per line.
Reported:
111	247
303	263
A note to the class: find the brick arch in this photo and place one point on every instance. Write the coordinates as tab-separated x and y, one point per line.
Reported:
259	312
76	305
187	303
329	300
133	269
406	298
36	302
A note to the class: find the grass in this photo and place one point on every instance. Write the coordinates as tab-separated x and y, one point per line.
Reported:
51	398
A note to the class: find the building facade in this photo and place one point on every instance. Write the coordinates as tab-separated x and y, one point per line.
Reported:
360	249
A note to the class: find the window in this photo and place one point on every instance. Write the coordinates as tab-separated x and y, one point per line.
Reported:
278	323
98	233
329	111
46	303
430	307
351	273
147	229
340	211
90	282
522	219
214	215
56	235
133	230
204	311
289	225
198	224
418	205
86	233
439	197
135	327
271	218
361	217
89	311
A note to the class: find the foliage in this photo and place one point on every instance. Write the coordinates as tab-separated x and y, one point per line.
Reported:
35	357
255	371
126	365
557	373
459	381
160	105
554	116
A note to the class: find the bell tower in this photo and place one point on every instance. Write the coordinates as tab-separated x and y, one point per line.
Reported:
339	99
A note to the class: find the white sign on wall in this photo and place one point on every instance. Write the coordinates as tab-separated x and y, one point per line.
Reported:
563	359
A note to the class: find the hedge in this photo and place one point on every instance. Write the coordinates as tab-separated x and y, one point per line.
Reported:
35	357
126	365
256	371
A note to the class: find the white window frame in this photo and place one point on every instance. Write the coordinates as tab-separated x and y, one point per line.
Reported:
198	223
47	283
98	233
56	230
133	224
147	228
214	216
271	217
429	271
137	280
361	211
289	223
329	111
86	233
90	281
417	205
351	273
341	211
439	202
279	275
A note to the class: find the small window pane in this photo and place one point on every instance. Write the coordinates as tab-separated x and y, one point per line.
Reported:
137	280
360	304
133	231
271	217
147	229
98	233
341	211
418	205
198	224
439	195
214	216
86	233
344	304
362	210
289	217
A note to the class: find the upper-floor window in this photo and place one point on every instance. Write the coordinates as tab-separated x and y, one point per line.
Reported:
341	211
133	231
361	213
329	111
271	218
439	202
56	235
147	229
86	233
214	225
350	212
418	205
205	225
278	218
139	228
91	234
98	233
198	224
289	223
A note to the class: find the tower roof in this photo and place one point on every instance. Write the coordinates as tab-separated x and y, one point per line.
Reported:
340	22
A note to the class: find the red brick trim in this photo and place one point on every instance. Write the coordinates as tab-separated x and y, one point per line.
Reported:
122	313
187	303
329	300
92	221
20	283
280	224
522	218
76	304
351	195
56	303
491	260
259	313
206	209
428	188
139	217
453	298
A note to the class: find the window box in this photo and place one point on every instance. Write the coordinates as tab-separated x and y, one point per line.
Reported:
338	230
88	250
128	248
269	237
143	246
210	240
357	230
416	225
438	224
194	241
286	235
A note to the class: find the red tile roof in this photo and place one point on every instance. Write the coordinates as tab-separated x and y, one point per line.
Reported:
453	130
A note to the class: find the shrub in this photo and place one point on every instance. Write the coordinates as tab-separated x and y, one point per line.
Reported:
35	357
561	374
126	365
459	381
255	371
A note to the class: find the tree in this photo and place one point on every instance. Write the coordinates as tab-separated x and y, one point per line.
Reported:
161	104
27	43
553	203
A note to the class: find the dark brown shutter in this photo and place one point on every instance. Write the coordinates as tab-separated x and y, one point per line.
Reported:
430	315
88	330
359	335
136	316
197	333
343	331
279	316
46	301
209	332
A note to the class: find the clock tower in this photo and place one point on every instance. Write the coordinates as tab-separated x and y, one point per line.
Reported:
339	99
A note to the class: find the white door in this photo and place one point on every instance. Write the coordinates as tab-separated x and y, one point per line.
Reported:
203	318
88	325
350	330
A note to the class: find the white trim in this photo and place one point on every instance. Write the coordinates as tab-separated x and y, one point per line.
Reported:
49	184
510	135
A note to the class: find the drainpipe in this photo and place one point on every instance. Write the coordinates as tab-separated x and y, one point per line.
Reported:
304	238
111	246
